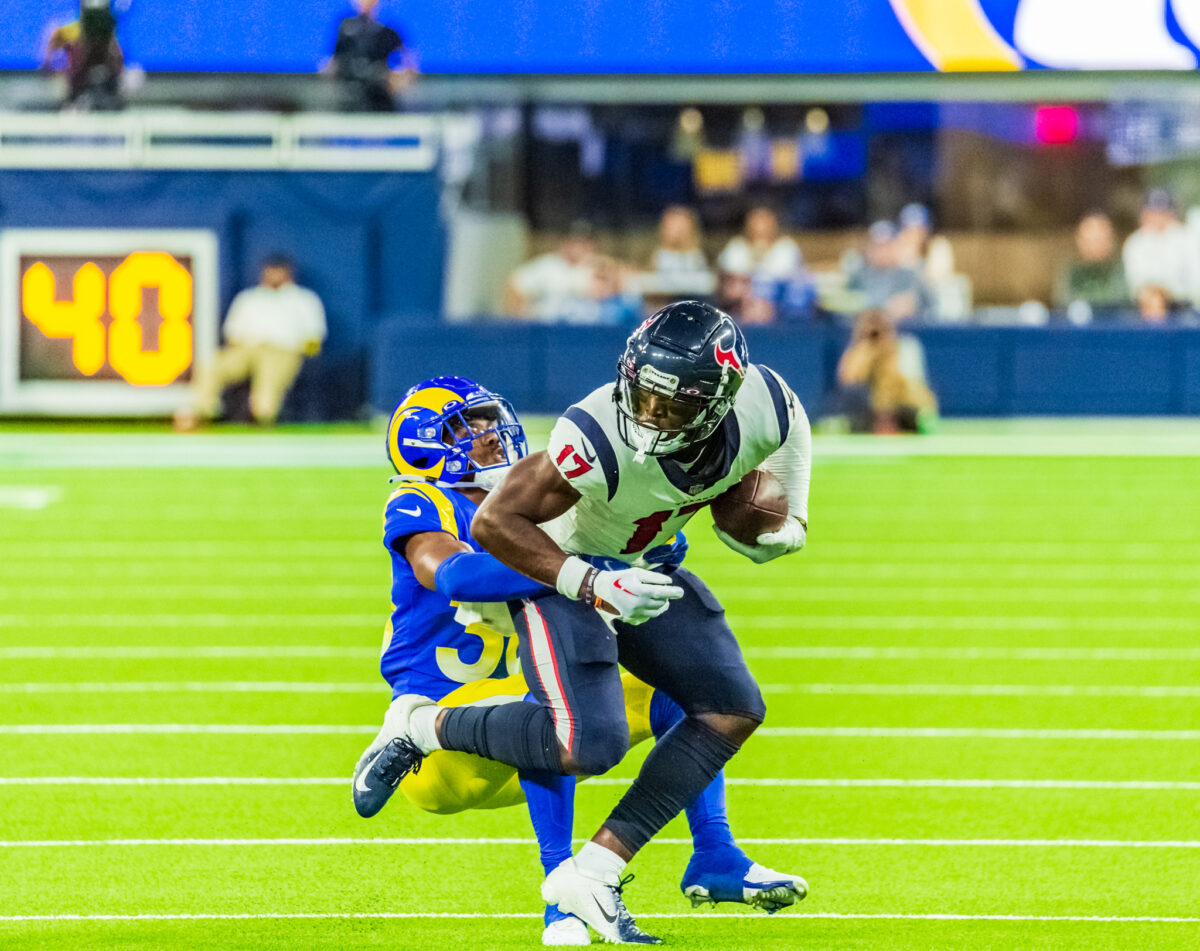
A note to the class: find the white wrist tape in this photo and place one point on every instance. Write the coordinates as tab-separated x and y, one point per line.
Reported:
571	575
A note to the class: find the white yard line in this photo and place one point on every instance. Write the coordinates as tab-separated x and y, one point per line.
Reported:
305	729
815	689
901	652
471	916
929	622
1001	733
506	841
794	652
183	651
233	621
195	686
474	915
1138	785
982	690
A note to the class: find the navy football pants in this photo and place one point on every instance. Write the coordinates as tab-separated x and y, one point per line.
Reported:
570	660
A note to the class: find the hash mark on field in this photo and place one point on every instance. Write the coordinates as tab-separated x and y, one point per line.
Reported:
414	840
1146	785
28	498
474	915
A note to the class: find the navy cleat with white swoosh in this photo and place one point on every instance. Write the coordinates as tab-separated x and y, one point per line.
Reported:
391	756
597	902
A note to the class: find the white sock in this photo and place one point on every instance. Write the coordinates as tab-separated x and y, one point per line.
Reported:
599	862
422	727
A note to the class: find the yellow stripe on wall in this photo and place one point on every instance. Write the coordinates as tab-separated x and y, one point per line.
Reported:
955	36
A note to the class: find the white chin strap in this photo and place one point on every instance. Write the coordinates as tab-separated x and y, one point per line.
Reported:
490	479
645	438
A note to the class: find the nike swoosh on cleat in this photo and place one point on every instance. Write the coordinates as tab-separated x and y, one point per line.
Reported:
358	783
611	919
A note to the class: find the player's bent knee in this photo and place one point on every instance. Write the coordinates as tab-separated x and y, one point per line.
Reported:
599	754
737	728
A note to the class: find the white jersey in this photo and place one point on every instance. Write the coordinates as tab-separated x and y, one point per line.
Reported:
627	506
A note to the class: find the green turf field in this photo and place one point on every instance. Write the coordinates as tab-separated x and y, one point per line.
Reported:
983	682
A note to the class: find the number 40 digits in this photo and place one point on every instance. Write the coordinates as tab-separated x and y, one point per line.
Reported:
79	318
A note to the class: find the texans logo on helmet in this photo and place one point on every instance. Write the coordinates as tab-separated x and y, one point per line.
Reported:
729	359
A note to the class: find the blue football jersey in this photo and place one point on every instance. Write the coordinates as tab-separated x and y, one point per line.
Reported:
425	649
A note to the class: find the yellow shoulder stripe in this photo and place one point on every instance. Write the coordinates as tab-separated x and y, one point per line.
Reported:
444	506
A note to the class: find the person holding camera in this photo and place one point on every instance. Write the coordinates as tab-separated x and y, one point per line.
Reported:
881	379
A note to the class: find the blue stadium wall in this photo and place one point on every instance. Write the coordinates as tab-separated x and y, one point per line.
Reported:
371	244
975	371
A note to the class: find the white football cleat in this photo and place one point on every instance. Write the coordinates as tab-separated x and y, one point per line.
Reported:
595	901
564	932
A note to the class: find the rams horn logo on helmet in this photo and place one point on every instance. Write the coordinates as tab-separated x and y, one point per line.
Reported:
729	359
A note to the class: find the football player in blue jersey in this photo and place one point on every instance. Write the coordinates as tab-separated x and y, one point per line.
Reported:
451	639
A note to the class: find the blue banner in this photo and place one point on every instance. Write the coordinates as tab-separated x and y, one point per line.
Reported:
646	36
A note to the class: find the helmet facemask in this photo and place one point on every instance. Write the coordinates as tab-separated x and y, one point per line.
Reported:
686	417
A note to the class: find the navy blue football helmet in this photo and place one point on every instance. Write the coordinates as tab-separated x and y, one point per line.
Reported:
678	376
435	426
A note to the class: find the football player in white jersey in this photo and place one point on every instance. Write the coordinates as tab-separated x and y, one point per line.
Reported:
627	466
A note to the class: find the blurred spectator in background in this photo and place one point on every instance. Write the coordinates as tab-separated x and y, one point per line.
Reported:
1159	253
269	331
780	288
611	300
678	267
1154	304
90	58
362	62
761	250
678	260
1093	283
678	250
931	256
880	278
557	286
881	379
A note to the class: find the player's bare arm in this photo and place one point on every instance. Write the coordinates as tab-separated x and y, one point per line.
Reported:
507	522
426	552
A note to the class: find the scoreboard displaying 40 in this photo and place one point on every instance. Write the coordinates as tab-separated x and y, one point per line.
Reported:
104	322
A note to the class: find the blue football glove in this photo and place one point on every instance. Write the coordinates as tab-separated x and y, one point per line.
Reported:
668	556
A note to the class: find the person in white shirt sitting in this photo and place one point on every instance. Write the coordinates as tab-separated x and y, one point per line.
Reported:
552	287
761	250
269	331
1159	253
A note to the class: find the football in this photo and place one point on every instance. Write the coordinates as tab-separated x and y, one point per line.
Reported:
757	504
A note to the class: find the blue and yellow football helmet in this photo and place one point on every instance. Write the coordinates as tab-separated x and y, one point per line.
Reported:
433	430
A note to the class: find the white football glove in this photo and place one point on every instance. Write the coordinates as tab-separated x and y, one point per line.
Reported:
789	538
635	595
